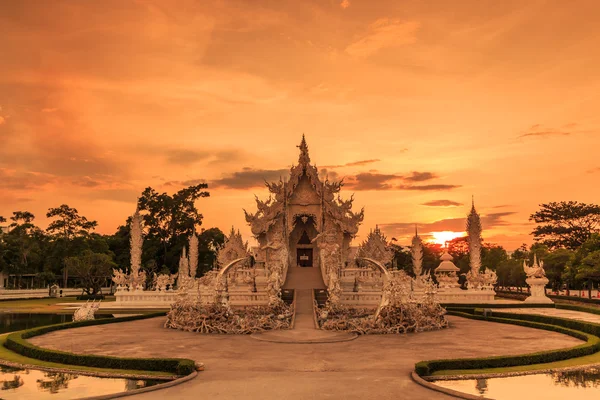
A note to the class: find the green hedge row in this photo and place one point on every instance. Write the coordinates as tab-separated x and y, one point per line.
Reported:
501	305
17	342
575	298
574	307
581	330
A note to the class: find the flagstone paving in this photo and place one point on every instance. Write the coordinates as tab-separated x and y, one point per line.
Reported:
239	367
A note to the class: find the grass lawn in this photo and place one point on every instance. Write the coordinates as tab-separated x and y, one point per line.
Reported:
8	355
573	362
45	305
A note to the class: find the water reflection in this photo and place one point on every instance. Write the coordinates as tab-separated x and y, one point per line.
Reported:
34	384
582	384
581	378
481	386
55	381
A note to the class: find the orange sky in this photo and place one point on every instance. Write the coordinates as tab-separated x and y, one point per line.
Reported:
416	103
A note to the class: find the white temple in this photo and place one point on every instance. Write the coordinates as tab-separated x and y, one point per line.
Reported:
304	232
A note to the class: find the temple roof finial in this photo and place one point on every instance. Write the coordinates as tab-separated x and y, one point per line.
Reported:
416	231
304	157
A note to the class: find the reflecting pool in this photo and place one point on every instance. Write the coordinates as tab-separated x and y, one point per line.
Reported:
25	384
580	384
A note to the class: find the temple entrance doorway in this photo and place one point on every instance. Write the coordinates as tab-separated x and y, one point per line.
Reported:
304	257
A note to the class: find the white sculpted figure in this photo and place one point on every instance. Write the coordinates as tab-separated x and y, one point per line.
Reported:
536	270
86	311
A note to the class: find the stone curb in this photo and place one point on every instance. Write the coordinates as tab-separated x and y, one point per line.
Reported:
144	390
308	341
88	373
454	393
509	374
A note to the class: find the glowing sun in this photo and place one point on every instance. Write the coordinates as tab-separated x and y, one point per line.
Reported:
445	236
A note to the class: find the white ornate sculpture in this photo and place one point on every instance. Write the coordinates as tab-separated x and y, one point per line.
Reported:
137	277
417	254
86	312
376	247
474	239
163	280
193	256
233	249
537	281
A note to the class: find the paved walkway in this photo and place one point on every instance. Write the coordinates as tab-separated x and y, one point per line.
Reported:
555	312
239	367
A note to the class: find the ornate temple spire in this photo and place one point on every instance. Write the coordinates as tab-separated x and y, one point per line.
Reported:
474	237
417	253
304	158
136	242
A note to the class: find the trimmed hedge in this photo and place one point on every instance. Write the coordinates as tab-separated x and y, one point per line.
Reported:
575	298
574	307
17	342
89	297
500	305
578	329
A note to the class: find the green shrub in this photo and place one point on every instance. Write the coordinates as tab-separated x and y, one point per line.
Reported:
574	307
17	342
475	305
575	298
581	330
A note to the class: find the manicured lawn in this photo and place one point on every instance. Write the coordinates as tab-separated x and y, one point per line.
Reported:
573	362
46	305
8	355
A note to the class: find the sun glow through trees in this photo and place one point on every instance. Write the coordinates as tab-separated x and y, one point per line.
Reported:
445	236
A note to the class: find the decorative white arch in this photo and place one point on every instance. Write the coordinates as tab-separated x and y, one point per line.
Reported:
226	268
386	276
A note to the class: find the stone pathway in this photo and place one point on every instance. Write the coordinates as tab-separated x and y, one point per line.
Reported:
555	312
304	330
239	367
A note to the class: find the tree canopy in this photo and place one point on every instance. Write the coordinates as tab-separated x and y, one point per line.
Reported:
565	224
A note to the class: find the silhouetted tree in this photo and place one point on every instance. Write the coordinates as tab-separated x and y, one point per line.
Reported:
565	224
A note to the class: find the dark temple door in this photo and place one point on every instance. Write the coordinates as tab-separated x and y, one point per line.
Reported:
304	257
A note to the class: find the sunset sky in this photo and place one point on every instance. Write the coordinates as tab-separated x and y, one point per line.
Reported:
418	104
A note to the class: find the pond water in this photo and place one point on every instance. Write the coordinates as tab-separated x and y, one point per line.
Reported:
580	385
25	384
11	322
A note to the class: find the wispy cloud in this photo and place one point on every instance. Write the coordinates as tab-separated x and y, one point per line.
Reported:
442	203
420	176
371	181
352	164
248	178
593	170
383	33
439	187
539	130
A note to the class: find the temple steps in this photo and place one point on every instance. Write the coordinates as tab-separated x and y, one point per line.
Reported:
303	278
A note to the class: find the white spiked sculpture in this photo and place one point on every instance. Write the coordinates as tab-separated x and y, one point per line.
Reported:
417	254
537	281
474	231
136	242
193	257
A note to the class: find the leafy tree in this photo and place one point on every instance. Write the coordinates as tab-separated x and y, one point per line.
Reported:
492	256
554	265
402	258
68	223
565	224
458	248
2	220
209	241
92	269
22	246
583	268
170	220
68	231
